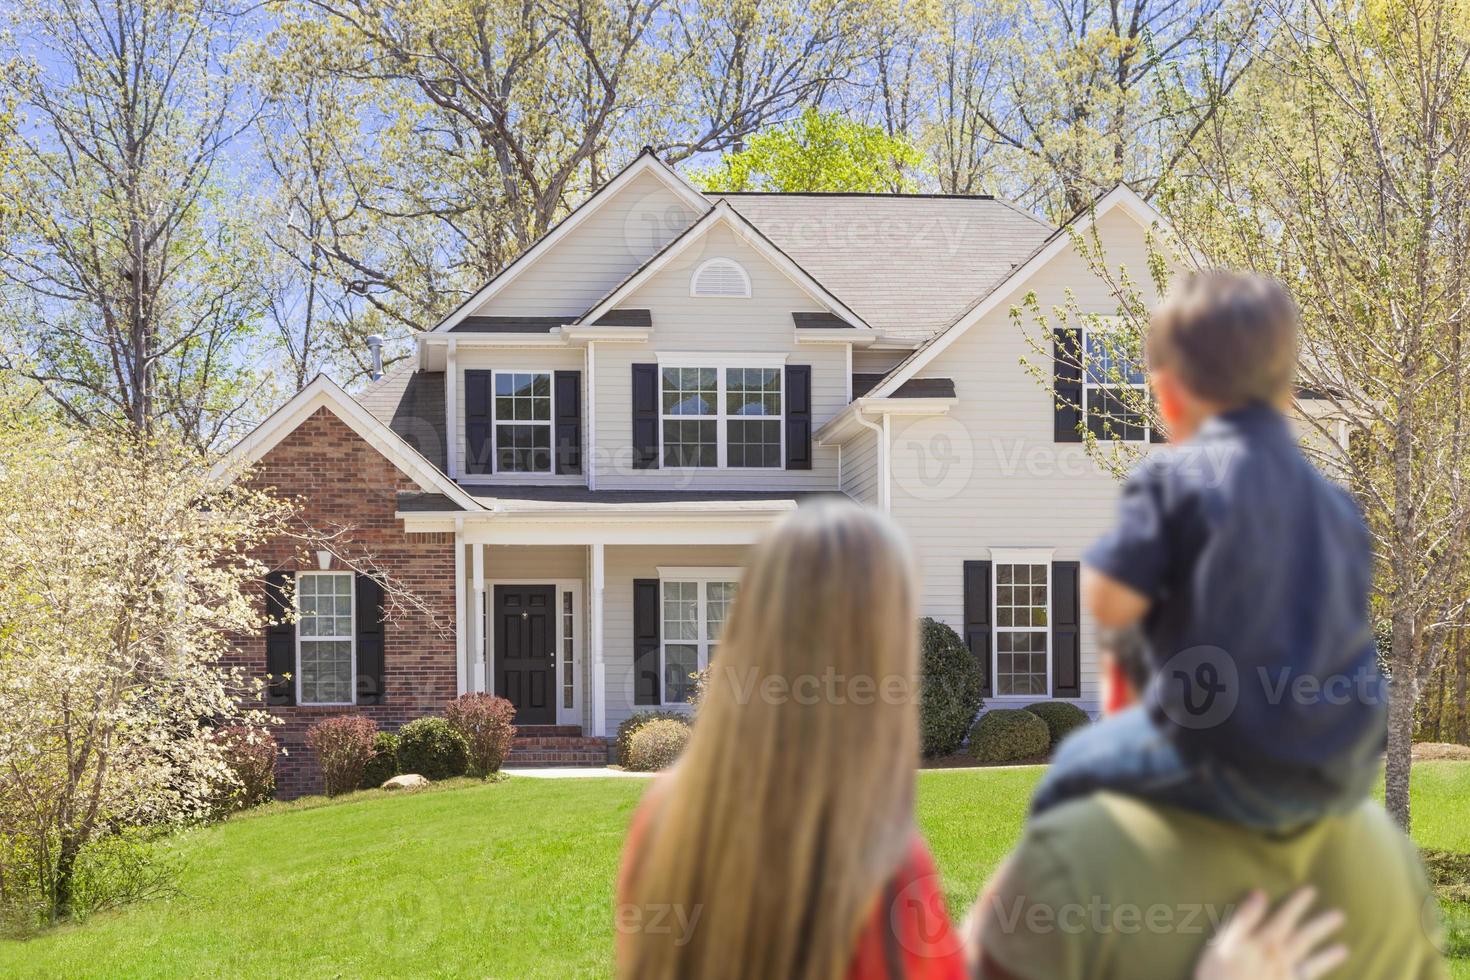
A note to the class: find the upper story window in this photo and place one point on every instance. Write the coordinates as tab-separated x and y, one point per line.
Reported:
522	422
719	416
325	638
1114	386
720	278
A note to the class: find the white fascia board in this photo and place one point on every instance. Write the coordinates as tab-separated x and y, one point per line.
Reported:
322	392
836	335
847	423
645	163
723	213
1121	196
556	337
582	333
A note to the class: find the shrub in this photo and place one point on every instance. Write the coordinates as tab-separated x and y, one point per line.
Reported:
632	723
655	744
343	747
1062	718
432	749
1008	735
383	766
250	754
949	684
485	722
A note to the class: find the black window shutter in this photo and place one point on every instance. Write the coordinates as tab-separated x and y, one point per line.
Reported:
479	418
568	421
280	639
799	417
370	653
1067	381
645	416
645	641
977	618
1066	634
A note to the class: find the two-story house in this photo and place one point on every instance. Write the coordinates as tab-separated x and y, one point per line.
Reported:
568	471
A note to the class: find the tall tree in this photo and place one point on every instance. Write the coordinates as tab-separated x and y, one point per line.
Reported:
1345	171
817	152
121	262
1080	95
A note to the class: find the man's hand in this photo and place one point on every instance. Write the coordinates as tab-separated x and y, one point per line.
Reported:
1112	604
1252	947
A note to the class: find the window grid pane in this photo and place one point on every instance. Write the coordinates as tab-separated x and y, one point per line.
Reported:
718	596
523	448
324	623
1021	618
1115	383
568	684
523	396
690	391
689	443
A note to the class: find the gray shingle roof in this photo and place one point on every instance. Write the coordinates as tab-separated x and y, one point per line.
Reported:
907	264
411	403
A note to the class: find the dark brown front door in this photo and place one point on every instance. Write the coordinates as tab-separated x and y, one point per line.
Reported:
525	651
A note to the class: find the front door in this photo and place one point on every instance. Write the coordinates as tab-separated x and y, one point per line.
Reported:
525	651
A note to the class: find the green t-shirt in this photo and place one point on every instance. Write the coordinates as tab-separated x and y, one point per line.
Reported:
1110	887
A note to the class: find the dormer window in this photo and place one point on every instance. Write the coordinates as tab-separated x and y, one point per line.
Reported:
720	278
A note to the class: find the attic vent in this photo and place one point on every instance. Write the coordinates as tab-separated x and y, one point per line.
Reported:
720	277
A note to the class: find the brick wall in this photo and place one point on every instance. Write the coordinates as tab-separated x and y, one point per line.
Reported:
341	480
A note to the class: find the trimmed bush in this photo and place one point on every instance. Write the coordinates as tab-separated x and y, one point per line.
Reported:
485	722
432	749
383	766
1062	718
655	744
949	684
1008	735
634	721
343	746
250	753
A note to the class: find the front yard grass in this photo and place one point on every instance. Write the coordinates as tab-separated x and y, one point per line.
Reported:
510	879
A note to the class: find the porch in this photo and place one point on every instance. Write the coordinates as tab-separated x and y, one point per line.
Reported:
583	612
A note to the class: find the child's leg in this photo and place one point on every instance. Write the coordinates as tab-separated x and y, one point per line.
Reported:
1127	753
1123	753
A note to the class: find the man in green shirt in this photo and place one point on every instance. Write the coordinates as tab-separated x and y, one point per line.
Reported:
1111	886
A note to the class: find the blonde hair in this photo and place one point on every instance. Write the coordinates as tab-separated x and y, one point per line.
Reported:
1230	337
792	805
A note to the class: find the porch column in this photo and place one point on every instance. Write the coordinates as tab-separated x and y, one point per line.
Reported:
477	618
599	669
461	655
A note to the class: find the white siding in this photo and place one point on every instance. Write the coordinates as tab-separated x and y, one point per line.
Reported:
602	251
989	475
623	565
860	467
876	361
759	325
514	359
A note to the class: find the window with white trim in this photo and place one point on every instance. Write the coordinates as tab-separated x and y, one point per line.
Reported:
727	417
523	415
720	278
1022	604
694	612
326	640
1114	386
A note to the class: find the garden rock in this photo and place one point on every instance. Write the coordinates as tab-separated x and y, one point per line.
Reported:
409	781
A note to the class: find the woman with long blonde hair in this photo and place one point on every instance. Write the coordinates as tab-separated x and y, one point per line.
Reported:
790	814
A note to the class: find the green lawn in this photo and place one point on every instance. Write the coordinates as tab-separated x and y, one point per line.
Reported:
507	880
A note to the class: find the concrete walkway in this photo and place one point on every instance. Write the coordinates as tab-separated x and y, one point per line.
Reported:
578	772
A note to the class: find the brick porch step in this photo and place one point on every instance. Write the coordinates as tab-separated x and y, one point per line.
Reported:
555	750
541	731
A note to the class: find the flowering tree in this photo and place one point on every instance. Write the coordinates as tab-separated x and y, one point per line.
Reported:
126	572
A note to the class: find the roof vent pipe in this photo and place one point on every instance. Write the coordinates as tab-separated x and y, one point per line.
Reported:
375	351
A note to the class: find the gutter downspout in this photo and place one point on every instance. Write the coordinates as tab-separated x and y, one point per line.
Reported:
881	434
